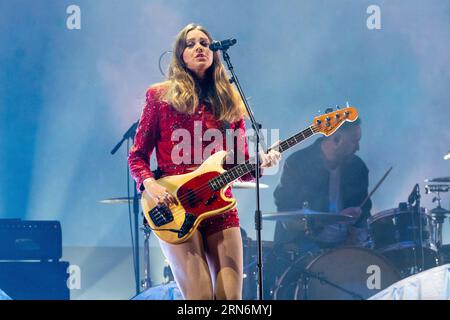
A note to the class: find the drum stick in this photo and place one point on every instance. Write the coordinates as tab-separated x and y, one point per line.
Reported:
376	187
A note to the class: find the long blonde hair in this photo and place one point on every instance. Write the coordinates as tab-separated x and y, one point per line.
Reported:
180	86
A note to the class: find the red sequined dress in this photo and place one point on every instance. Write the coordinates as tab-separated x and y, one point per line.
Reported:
155	131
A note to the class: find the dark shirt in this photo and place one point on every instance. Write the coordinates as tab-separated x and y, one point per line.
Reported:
305	178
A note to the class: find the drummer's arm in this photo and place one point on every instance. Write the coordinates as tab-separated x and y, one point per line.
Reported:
288	194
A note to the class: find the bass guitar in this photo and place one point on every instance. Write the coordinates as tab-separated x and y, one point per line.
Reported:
201	193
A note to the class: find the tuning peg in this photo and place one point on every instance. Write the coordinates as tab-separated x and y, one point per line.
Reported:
337	107
347	104
329	110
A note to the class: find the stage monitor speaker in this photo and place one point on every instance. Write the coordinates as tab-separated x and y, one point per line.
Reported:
168	291
4	296
35	280
431	284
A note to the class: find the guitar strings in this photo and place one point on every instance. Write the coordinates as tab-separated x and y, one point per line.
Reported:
202	189
177	212
282	144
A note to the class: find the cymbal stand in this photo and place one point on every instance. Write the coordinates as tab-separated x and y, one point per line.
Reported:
438	214
413	206
146	283
129	135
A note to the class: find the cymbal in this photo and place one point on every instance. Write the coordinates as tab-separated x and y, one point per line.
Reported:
324	217
439	180
118	200
248	185
439	211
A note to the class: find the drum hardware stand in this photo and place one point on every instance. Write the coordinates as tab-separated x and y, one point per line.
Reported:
438	214
224	46
305	281
414	203
168	275
146	283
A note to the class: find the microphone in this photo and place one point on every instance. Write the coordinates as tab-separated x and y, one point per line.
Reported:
415	194
222	45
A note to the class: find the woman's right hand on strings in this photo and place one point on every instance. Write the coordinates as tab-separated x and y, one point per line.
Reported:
158	193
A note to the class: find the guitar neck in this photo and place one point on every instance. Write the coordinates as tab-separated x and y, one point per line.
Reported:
242	169
295	139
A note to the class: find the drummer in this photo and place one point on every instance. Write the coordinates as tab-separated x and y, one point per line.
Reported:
326	177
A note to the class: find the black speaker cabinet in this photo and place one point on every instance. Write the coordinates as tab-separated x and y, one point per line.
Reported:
30	240
35	280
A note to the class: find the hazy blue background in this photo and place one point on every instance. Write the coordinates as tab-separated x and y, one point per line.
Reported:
67	96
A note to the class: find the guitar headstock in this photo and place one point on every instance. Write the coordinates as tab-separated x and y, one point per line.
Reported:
329	122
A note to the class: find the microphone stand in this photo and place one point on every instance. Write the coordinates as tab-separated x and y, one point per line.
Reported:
131	132
414	203
259	139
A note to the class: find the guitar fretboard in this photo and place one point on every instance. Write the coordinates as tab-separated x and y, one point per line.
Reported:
242	169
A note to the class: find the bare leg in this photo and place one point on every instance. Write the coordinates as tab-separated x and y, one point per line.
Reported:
224	254
190	268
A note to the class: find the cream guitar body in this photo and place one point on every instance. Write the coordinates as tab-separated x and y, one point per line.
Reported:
197	200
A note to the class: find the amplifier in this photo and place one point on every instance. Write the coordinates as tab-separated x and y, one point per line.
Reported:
31	280
30	240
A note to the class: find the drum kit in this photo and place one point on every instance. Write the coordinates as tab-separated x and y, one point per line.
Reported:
403	241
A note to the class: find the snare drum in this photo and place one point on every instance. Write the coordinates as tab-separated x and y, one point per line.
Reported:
348	273
404	237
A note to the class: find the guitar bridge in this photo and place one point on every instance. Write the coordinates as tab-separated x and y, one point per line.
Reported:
160	215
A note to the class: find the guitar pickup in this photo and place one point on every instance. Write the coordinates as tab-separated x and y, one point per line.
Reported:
191	198
210	200
160	215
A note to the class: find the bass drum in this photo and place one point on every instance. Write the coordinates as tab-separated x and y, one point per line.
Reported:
348	273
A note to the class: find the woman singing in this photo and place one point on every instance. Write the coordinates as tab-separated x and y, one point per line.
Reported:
196	97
